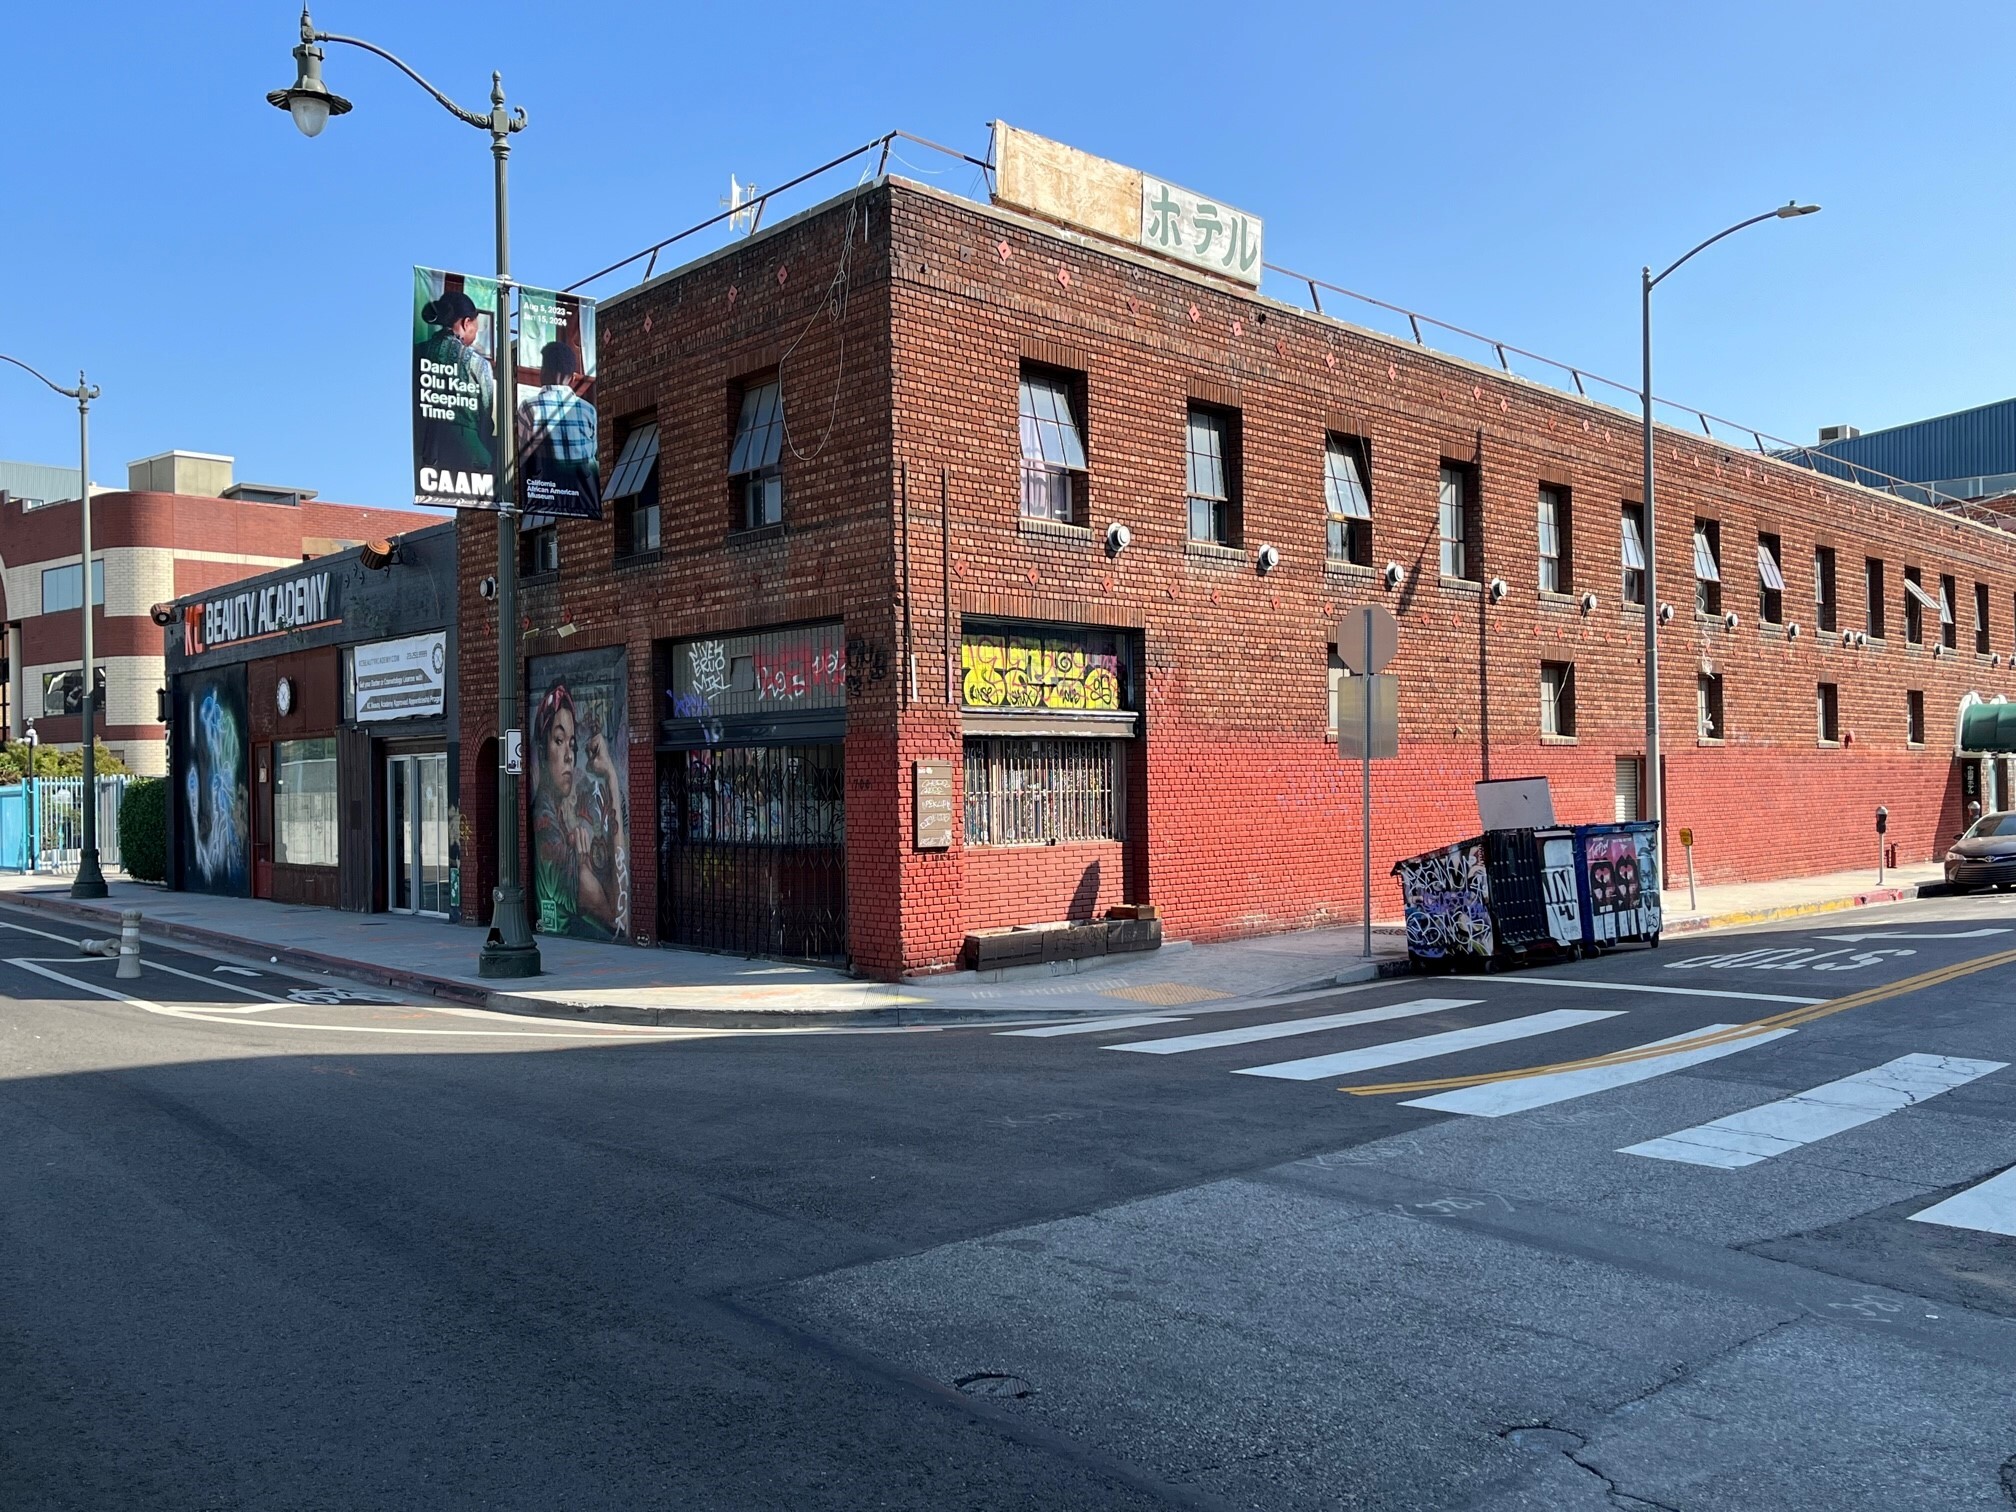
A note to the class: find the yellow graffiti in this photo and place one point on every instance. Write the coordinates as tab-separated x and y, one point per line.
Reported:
1031	672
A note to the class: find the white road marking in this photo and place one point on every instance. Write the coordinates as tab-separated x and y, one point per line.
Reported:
1518	1094
1961	934
1095	1026
243	971
1989	1207
1397	1052
1759	1133
1248	1033
1528	980
43	933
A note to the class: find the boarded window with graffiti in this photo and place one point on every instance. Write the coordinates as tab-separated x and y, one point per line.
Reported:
1063	669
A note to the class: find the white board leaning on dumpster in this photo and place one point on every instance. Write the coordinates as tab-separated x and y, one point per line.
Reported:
1515	803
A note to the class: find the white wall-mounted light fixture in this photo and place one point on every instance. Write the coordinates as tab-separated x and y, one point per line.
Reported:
1731	620
487	587
1497	589
1792	631
1588	603
1394	575
1665	614
1118	538
1268	558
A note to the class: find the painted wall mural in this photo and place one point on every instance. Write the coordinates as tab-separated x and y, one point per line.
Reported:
580	776
1042	669
214	828
1447	897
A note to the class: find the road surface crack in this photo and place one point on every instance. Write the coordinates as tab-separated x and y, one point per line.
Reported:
1573	1446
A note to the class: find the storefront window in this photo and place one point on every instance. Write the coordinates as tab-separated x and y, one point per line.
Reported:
304	803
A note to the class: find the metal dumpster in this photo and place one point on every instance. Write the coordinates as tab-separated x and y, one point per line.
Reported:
1617	883
1490	899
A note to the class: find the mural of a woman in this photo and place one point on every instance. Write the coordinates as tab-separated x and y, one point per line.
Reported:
580	844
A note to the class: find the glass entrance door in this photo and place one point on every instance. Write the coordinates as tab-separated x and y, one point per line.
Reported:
416	838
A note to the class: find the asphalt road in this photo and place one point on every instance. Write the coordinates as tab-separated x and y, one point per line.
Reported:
1713	1227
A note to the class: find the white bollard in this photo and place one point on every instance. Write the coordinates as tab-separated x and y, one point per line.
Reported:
129	943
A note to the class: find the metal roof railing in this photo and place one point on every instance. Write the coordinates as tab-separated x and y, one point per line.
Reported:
1548	370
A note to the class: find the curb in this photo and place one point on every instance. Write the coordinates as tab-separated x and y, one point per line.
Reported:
1701	922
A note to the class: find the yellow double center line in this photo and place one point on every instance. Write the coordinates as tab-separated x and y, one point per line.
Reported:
1706	1039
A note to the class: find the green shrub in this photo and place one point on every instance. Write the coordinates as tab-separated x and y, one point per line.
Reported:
143	829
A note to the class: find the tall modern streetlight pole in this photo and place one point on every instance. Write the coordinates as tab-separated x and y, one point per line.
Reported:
510	950
1654	804
89	881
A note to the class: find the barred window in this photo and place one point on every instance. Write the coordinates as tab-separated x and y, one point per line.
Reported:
1039	792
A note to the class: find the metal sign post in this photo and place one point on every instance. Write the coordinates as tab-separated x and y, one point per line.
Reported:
1368	707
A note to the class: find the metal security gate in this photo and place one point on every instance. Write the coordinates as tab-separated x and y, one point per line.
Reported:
753	853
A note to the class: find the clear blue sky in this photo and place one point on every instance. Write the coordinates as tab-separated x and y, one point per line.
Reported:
238	288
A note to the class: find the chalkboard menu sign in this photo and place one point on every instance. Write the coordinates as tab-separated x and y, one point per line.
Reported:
933	787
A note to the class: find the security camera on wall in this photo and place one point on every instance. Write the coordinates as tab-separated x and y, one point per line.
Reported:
162	614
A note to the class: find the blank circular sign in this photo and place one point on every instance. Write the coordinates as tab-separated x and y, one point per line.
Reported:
1367	638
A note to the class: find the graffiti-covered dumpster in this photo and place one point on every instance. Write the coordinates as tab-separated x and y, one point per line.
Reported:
1617	882
1486	901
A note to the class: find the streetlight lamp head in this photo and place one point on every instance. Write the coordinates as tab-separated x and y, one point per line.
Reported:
1793	209
309	101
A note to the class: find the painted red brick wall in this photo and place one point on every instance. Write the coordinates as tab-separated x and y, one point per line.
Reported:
1023	884
902	520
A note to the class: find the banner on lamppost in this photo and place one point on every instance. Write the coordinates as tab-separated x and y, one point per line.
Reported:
558	468
455	460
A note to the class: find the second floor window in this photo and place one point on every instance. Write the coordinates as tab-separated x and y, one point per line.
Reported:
1347	500
1916	602
1949	628
1212	476
1456	503
633	491
1981	619
1914	716
1557	698
1872	597
1634	553
754	473
1708	705
1824	615
1707	567
1827	706
1053	447
1555	575
1770	582
538	545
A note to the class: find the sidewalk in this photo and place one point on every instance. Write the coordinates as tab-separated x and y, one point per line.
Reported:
661	986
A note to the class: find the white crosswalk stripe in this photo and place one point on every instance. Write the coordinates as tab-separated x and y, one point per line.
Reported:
1989	1207
1094	1026
1777	1127
1248	1033
1519	1094
1397	1052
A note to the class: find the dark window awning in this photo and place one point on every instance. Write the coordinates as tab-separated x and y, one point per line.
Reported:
1987	728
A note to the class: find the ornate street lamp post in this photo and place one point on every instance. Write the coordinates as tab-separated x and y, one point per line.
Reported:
510	950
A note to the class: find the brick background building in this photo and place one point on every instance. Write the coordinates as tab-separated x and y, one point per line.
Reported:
181	526
900	324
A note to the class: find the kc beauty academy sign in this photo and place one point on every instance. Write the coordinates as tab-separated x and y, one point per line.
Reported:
303	603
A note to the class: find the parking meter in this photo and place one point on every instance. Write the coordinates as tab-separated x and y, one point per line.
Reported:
1882	819
1882	824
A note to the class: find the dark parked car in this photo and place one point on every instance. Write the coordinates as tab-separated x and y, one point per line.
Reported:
1986	855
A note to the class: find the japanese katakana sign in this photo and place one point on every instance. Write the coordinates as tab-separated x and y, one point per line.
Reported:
1199	231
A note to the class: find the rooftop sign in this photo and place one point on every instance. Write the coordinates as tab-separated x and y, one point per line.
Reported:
1073	188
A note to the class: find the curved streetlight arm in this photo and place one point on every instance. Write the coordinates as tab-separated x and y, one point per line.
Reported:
84	393
1651	282
499	121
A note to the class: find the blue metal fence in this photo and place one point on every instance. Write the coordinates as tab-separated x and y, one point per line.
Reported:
42	824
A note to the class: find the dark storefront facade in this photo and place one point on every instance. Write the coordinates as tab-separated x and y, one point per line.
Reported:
752	842
312	714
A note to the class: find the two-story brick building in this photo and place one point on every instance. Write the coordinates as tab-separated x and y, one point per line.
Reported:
910	485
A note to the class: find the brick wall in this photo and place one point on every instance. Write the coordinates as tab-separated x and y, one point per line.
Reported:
902	519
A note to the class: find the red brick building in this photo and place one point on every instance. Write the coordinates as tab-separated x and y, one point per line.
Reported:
179	527
782	621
